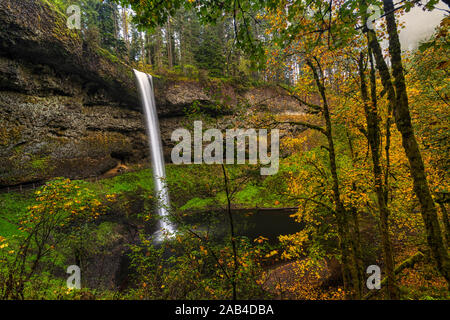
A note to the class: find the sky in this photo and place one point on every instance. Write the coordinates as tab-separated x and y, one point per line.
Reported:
420	25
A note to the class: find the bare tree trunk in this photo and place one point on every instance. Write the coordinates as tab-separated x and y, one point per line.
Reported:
183	45
149	49
115	18
169	44
158	49
126	37
143	53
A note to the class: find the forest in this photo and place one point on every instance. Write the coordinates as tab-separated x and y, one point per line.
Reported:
357	210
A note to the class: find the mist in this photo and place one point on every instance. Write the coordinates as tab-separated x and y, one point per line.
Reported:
420	25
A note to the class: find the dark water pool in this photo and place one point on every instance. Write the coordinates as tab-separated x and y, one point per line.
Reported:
252	223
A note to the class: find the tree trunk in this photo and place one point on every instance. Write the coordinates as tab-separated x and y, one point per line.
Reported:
115	18
149	48
374	139
143	53
158	49
446	222
349	270
169	44
404	125
125	31
232	235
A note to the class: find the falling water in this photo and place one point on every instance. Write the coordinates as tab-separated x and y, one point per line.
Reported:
145	83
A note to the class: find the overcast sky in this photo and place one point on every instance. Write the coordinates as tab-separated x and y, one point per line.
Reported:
420	25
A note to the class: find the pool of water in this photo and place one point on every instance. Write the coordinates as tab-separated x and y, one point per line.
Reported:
252	223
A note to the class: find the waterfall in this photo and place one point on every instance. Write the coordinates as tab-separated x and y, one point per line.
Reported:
145	85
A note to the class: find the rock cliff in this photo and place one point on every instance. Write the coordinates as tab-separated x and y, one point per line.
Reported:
69	108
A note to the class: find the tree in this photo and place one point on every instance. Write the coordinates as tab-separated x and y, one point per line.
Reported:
208	53
58	218
399	100
313	29
374	139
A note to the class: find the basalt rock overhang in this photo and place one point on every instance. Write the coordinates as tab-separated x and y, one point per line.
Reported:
35	31
34	35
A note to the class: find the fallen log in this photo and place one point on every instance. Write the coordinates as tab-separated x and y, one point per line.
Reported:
408	263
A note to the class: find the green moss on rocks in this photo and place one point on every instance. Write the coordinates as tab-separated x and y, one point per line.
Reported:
108	55
40	164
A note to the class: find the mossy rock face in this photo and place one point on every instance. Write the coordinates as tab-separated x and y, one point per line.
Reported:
69	108
43	137
35	31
